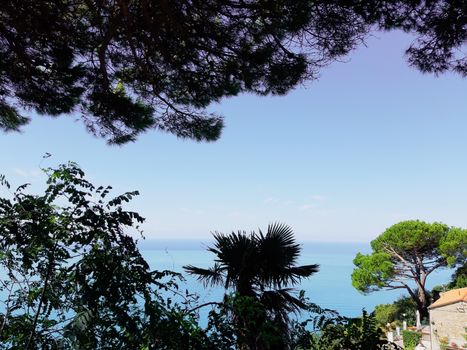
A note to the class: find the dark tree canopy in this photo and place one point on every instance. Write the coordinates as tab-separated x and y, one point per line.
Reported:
130	66
439	26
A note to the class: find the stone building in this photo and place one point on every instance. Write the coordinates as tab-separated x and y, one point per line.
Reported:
448	320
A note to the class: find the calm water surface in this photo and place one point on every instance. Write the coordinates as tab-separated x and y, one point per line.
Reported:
331	287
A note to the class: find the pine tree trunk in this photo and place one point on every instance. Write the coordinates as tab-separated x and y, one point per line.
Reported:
422	304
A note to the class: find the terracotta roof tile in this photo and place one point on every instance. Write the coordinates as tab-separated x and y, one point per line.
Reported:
450	297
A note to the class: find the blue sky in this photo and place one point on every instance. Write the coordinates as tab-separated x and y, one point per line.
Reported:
371	143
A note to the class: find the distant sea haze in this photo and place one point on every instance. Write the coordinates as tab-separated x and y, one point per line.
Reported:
330	288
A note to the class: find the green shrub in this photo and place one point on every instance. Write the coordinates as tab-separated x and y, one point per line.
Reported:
411	339
403	309
385	313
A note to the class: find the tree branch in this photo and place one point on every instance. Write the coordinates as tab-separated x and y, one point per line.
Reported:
391	251
203	305
41	300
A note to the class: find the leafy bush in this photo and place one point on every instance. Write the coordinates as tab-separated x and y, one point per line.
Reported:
340	333
459	278
72	277
411	339
403	309
385	313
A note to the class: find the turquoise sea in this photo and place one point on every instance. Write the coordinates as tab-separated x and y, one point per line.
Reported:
331	287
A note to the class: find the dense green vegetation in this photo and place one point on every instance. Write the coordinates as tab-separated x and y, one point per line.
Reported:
130	66
405	255
411	339
403	309
72	277
459	277
361	333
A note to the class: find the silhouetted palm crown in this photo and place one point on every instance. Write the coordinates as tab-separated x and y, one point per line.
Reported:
258	265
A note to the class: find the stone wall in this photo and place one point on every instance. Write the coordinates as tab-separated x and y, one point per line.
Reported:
449	321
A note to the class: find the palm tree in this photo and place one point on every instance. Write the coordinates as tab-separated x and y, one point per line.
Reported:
261	266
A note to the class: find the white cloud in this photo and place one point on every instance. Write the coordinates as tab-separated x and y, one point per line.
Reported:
306	207
20	172
28	174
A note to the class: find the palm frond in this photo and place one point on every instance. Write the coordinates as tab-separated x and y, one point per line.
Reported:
296	273
278	253
212	276
236	252
253	262
280	240
283	299
282	232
